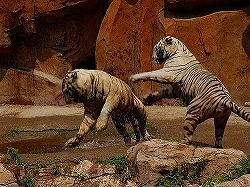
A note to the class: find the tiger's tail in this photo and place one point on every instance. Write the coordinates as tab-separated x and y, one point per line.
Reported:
238	110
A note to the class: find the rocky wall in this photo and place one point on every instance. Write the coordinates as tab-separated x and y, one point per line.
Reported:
217	33
51	37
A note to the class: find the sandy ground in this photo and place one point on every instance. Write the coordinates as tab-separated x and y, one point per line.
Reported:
53	125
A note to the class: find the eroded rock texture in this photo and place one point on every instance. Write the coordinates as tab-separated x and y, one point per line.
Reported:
243	181
216	32
50	37
53	37
155	157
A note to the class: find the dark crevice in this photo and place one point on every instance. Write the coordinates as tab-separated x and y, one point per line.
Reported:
131	2
246	41
13	66
2	73
186	11
88	63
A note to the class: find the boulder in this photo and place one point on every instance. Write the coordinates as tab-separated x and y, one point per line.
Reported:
30	87
7	178
217	35
155	157
243	181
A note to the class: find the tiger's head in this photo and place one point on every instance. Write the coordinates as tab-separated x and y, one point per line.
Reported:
164	49
69	88
168	47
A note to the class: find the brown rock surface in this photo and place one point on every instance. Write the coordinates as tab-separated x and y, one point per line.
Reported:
6	177
243	181
48	36
184	5
218	36
92	175
151	158
33	87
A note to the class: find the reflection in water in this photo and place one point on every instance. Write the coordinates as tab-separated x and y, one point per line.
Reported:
97	144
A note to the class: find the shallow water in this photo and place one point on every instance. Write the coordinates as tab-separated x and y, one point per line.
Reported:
49	145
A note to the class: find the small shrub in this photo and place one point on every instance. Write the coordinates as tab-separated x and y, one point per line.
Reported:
82	176
119	161
123	170
236	171
174	139
208	183
241	168
192	172
170	179
56	170
13	132
150	124
185	172
13	153
27	182
182	103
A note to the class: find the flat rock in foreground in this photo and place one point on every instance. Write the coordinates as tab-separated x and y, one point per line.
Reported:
151	158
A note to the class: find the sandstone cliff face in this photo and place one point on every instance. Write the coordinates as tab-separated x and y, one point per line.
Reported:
219	37
55	36
51	37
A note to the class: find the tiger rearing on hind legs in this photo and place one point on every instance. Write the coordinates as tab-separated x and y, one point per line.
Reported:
204	93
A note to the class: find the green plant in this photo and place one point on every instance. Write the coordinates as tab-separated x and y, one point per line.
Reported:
174	139
182	103
56	170
82	176
13	153
210	182
192	171
13	132
239	169
124	171
170	179
119	161
150	124
27	182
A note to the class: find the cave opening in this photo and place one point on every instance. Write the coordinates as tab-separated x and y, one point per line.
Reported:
88	63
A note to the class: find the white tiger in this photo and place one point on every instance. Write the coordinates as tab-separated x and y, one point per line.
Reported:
204	93
103	96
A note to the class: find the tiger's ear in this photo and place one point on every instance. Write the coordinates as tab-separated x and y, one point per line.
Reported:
168	41
74	75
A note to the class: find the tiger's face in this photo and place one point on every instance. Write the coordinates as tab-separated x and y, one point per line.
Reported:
69	90
164	49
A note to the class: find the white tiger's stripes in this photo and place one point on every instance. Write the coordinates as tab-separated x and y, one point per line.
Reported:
103	96
204	93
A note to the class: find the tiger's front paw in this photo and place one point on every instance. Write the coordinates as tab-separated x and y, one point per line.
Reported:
100	126
133	78
72	142
185	141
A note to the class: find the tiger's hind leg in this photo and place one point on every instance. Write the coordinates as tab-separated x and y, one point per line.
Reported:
135	125
120	127
220	121
142	127
189	127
